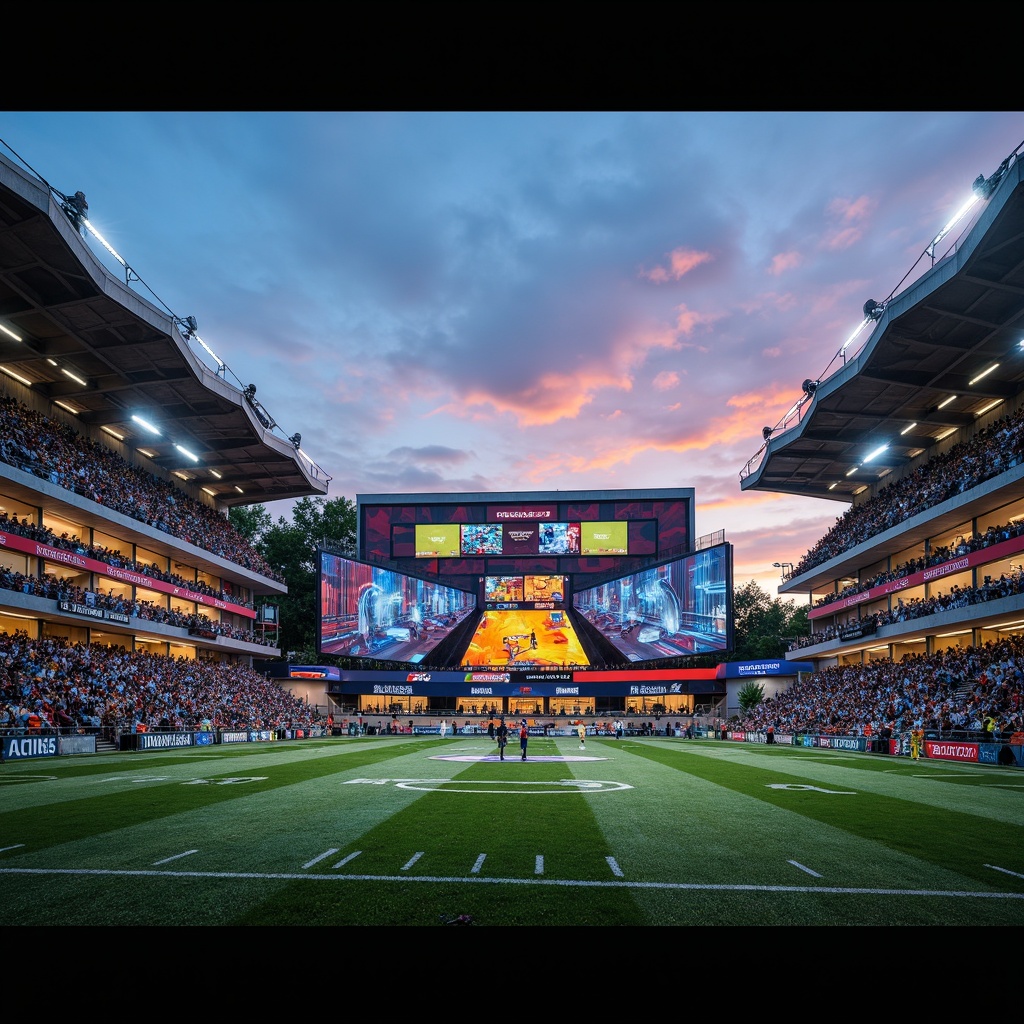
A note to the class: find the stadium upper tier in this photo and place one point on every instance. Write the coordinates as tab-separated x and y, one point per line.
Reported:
921	431
941	356
76	335
113	534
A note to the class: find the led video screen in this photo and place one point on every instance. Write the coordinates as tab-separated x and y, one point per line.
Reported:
366	611
462	540
531	591
440	540
604	539
524	638
677	608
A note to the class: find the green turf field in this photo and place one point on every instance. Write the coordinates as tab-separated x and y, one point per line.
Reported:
423	831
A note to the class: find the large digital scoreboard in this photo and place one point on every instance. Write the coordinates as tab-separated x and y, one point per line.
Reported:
464	537
544	576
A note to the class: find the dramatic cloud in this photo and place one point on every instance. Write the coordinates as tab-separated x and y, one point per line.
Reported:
445	301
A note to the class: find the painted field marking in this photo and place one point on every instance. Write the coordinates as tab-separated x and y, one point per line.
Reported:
797	864
177	856
550	786
287	876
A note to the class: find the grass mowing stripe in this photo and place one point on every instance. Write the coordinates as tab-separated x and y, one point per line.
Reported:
654	833
955	840
492	835
167	786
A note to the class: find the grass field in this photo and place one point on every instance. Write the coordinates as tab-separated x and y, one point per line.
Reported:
422	831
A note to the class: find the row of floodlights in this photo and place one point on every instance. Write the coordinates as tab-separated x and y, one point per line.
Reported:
981	189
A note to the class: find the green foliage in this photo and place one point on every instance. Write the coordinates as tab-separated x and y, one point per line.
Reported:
291	548
750	695
251	521
765	624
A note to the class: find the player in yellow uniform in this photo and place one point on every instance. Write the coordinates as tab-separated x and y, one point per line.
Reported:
916	744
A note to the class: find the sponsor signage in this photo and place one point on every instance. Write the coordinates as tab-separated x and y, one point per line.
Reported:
165	740
739	669
842	742
32	547
521	513
89	612
951	750
21	748
992	553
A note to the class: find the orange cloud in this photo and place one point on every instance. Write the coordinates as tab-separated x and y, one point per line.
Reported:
766	398
553	397
852	209
563	395
688	320
665	380
680	263
849	212
843	239
784	261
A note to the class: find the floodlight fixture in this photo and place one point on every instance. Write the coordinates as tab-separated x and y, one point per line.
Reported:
188	325
988	407
984	373
984	187
296	439
873	310
810	386
77	208
766	432
146	424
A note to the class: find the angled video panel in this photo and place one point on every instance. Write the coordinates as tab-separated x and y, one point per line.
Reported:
669	610
366	611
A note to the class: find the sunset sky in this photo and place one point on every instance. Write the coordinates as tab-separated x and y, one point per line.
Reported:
512	301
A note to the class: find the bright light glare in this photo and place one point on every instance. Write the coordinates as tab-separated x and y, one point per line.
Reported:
984	373
145	423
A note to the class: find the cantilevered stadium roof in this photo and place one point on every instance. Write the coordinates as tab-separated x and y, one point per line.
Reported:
77	335
926	368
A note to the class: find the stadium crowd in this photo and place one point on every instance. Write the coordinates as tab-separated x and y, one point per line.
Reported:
938	554
53	451
992	450
919	607
972	690
50	684
112	556
54	587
